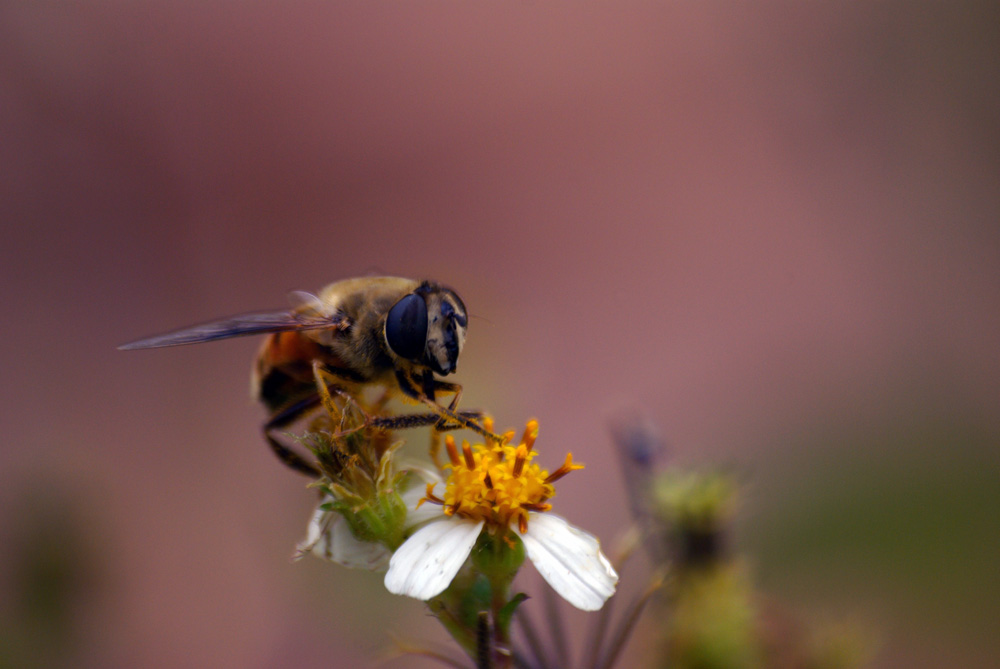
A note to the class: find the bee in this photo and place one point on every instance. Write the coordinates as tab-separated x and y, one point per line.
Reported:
390	333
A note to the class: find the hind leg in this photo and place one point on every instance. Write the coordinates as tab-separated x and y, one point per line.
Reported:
286	417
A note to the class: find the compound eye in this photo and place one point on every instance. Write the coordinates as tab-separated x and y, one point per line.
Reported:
406	327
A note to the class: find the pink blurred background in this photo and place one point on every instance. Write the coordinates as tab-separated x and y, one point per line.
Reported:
772	228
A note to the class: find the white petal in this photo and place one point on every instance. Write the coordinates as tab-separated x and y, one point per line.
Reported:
570	560
418	516
426	474
417	491
330	537
427	562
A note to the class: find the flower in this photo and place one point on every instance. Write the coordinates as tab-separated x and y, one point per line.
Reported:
330	536
498	488
368	503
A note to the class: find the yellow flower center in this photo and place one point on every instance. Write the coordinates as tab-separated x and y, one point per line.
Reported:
499	483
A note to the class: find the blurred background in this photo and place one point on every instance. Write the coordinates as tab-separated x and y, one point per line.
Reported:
772	228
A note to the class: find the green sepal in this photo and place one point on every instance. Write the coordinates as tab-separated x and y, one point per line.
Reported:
496	558
507	612
385	467
344	495
392	510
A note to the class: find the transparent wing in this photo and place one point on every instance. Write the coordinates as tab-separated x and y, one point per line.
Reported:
239	326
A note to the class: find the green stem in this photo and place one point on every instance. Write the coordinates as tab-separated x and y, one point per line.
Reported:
500	581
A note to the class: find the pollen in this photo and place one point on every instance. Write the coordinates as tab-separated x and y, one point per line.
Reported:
499	483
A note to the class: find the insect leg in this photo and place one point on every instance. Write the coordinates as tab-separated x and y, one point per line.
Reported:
324	376
445	424
285	417
446	414
456	391
413	420
321	374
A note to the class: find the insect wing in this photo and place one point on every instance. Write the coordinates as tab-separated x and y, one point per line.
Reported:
240	326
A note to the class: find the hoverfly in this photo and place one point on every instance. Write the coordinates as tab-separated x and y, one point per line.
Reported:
387	332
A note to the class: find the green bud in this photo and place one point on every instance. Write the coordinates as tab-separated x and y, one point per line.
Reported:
498	557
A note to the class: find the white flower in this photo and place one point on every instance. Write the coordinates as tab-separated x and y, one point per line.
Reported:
568	558
329	535
500	489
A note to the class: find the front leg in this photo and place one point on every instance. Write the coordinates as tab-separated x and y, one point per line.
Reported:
446	387
328	384
442	425
425	394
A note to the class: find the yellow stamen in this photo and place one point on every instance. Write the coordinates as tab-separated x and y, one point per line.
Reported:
429	496
566	468
499	483
449	443
530	434
538	507
522	455
470	461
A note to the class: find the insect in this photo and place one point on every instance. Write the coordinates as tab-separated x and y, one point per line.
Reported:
387	332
